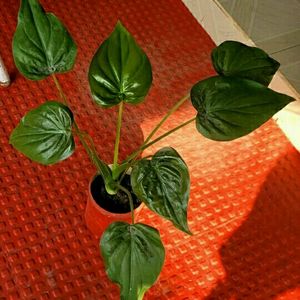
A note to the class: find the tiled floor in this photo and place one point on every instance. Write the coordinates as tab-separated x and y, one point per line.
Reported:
274	25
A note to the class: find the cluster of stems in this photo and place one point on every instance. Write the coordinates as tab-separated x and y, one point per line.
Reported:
89	146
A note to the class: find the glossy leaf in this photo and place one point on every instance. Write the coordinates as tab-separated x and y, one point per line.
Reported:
41	44
229	108
133	257
120	70
235	59
163	184
44	134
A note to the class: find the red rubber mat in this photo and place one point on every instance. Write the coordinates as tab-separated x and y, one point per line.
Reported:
245	200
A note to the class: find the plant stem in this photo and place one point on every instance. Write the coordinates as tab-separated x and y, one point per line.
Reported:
144	146
58	86
163	120
130	201
91	152
131	164
118	134
136	153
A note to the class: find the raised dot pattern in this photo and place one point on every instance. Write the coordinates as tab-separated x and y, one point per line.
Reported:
244	208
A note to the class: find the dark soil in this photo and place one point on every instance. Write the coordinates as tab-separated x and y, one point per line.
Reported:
118	203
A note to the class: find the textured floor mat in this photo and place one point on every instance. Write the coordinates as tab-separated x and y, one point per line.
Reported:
245	199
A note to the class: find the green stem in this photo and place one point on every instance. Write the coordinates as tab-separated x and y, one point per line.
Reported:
163	120
58	86
85	134
167	133
130	165
144	146
118	134
136	153
130	201
91	152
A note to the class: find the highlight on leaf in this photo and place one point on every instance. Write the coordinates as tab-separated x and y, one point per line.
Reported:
163	184
235	59
41	44
44	134
229	108
120	70
133	256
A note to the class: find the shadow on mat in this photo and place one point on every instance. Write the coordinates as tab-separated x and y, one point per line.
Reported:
262	257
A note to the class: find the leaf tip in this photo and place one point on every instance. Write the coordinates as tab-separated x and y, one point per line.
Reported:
189	233
120	26
291	99
275	63
186	230
119	23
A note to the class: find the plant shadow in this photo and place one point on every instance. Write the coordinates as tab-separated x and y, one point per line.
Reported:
262	257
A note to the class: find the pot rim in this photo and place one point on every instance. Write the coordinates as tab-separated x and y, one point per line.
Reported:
121	216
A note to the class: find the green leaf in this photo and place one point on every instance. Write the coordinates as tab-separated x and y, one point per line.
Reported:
133	257
44	134
120	70
41	44
163	184
235	59
229	108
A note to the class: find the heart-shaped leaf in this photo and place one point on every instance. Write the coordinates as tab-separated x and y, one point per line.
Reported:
133	257
44	134
235	59
41	44
229	108
163	184
120	70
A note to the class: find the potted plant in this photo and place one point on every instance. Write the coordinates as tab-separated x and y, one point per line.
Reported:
229	105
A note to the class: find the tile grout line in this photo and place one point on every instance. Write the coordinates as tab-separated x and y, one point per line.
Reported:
277	36
284	49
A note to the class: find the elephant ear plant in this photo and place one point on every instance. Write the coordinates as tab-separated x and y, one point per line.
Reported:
229	105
